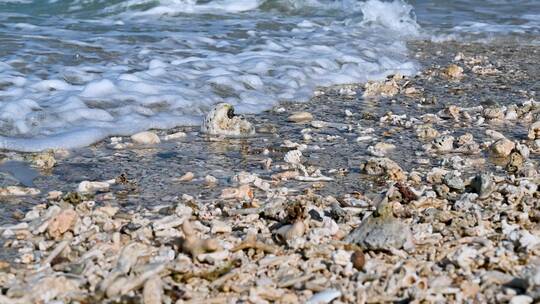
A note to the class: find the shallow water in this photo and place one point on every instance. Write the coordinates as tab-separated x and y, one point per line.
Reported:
74	72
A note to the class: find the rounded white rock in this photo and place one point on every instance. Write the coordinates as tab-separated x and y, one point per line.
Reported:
146	138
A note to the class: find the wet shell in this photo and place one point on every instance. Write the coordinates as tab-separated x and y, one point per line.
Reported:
221	120
293	157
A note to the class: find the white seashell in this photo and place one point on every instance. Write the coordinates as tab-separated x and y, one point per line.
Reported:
221	120
325	296
293	157
290	232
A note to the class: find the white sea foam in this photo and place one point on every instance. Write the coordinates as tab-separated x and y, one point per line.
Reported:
141	66
73	72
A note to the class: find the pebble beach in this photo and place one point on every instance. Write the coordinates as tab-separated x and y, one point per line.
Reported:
412	189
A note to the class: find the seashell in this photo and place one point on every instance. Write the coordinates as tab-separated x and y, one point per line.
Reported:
145	138
221	120
293	157
289	232
325	296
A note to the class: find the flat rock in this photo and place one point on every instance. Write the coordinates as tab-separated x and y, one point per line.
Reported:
380	232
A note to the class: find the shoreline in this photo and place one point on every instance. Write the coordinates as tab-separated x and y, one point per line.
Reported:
437	194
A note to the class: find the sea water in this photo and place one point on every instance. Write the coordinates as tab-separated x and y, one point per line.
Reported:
73	72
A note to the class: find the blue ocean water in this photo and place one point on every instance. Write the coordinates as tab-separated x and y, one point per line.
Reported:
73	72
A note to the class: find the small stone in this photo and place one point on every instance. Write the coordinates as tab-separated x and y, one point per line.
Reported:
469	289
381	231
341	257
210	181
325	296
426	132
384	166
494	113
443	143
380	149
62	222
483	185
300	117
515	162
146	138
92	187
220	227
534	131
44	160
453	181
213	257
54	195
243	192
358	259
453	71
187	177
4	265
464	139
502	147
27	258
381	88
153	290
521	299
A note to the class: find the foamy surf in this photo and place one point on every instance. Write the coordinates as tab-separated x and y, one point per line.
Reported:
142	66
75	72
